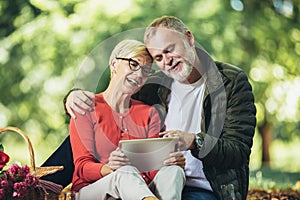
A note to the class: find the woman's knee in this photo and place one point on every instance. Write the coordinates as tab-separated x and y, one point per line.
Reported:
178	171
173	171
127	169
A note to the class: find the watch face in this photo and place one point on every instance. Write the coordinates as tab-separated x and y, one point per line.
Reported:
199	140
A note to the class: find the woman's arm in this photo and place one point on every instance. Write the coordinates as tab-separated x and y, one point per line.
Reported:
87	167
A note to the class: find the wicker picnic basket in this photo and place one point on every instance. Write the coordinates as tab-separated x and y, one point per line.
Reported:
37	171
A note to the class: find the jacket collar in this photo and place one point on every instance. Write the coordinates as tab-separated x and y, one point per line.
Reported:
214	79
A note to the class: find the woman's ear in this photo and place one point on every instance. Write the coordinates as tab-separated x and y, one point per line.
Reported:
190	37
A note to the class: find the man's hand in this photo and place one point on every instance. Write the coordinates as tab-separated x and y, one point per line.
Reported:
78	101
117	159
185	139
176	158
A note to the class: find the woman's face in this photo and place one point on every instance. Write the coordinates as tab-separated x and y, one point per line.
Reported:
126	79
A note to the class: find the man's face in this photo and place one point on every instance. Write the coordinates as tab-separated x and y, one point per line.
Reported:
173	53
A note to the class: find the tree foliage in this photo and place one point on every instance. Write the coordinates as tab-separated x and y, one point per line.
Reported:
43	43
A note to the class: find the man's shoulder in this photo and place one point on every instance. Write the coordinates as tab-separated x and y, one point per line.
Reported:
228	70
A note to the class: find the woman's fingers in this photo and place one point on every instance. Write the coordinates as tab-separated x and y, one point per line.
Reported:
118	159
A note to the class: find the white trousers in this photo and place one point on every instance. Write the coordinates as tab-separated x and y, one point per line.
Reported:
126	183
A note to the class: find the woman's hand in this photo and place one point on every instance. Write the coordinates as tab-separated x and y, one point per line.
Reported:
78	101
117	159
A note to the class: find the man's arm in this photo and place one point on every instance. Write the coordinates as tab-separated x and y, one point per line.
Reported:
233	147
78	100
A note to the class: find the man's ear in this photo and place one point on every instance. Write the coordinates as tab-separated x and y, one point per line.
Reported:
112	65
190	37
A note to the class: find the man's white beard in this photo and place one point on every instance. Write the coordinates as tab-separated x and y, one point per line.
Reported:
183	74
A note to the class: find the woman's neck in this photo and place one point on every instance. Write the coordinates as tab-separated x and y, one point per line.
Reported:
117	100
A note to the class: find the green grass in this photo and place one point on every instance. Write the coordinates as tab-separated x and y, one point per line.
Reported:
267	178
284	170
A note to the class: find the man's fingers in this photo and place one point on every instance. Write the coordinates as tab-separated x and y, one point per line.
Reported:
182	146
75	108
175	158
166	133
71	107
171	133
89	94
87	97
71	113
180	163
162	133
78	101
170	161
85	102
82	103
176	154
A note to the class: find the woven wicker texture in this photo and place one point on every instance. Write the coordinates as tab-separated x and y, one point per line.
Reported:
37	171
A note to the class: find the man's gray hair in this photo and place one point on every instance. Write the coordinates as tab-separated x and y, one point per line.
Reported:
169	22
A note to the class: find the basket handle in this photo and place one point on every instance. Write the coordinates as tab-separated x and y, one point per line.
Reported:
30	148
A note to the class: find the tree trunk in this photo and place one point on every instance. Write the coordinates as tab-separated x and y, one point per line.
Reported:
266	134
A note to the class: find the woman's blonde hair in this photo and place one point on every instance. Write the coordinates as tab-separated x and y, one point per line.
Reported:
130	49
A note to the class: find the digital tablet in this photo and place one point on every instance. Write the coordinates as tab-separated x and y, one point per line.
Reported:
148	154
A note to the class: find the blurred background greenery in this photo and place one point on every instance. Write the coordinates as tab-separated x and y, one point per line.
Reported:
43	43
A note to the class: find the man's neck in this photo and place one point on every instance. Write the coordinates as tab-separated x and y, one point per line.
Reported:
195	74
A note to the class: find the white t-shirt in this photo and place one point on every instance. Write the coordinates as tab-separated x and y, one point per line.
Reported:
184	114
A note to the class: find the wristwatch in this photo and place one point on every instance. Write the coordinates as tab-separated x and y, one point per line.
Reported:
199	141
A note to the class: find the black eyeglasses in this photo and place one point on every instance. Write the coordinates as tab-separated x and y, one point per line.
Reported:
134	66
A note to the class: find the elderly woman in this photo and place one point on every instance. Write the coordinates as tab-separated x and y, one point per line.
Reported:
102	170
